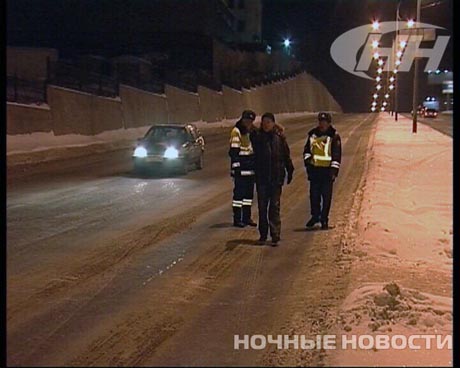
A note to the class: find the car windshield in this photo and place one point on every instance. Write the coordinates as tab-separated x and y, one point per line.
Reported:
167	134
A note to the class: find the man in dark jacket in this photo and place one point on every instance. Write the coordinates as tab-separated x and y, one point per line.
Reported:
272	162
322	157
242	169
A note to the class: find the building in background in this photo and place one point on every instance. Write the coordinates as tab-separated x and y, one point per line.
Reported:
248	15
441	83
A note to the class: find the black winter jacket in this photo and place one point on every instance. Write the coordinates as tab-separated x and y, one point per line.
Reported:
272	157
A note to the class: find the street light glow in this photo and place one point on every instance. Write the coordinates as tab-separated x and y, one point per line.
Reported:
378	87
378	79
375	95
376	55
410	23
379	70
403	44
398	62
287	42
375	44
375	25
399	54
374	103
380	62
387	95
373	109
392	79
395	71
391	87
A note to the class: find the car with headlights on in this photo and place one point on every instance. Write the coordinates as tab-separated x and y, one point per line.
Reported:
430	113
174	147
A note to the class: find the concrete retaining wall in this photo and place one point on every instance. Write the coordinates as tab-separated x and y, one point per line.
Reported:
211	104
82	113
233	102
141	108
26	120
183	106
73	112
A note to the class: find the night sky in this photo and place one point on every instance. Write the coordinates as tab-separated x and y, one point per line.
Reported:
312	25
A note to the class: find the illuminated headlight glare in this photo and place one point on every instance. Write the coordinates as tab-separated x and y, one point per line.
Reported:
140	152
171	152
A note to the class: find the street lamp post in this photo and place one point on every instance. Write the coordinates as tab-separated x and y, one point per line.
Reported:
395	107
415	92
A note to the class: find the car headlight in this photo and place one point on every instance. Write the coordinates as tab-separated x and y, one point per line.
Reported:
140	152
171	152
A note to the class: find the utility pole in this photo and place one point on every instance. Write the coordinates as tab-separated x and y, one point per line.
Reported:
415	92
395	107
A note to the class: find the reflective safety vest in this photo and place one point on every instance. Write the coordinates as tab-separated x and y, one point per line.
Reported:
244	161
320	148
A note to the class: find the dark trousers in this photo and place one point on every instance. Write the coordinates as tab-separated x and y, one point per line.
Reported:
269	201
243	194
321	191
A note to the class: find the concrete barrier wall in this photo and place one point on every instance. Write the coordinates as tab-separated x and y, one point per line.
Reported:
82	113
211	104
26	120
183	106
141	108
73	112
233	102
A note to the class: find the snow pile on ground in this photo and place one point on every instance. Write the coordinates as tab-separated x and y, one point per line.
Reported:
42	141
379	307
401	257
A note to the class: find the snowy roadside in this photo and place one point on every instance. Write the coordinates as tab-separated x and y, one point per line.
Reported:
41	147
401	250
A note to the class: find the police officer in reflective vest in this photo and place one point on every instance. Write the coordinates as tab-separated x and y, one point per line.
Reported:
242	169
322	157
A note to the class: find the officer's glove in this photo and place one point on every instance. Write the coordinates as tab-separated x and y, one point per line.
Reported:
334	172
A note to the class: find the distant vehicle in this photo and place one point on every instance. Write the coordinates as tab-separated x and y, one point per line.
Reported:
430	113
169	146
431	102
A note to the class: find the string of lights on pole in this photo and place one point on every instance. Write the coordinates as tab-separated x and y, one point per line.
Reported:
382	104
380	64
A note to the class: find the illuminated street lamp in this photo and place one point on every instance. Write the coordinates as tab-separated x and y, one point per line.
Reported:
375	25
410	23
399	54
287	42
387	95
380	62
378	79
398	62
375	44
380	70
376	55
374	103
391	87
373	109
403	44
392	79
378	87
395	71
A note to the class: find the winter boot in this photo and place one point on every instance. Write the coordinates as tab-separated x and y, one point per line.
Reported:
237	217
247	220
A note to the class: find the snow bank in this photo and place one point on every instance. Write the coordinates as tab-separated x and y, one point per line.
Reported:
401	258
